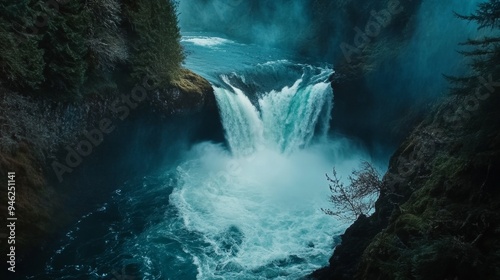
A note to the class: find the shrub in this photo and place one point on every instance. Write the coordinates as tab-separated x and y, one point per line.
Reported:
358	197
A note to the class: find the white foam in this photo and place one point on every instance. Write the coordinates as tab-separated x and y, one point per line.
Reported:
271	201
205	41
286	120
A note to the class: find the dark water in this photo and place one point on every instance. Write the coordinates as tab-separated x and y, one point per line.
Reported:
246	210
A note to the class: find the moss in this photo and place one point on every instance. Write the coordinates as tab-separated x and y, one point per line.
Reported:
190	83
439	234
448	166
448	258
380	257
418	202
411	224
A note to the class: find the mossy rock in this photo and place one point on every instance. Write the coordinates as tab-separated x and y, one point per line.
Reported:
409	224
448	258
190	83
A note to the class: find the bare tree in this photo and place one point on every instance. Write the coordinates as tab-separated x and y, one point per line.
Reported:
358	197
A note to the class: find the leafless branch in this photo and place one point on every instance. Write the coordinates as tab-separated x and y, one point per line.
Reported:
358	197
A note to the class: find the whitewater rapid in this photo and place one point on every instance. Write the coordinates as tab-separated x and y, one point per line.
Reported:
245	209
257	205
285	120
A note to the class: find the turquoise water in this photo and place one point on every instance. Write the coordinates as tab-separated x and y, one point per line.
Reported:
249	208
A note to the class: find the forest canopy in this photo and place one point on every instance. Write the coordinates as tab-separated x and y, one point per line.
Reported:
70	48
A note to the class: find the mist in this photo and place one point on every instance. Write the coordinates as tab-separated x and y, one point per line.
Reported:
260	210
413	55
285	24
411	78
318	26
431	53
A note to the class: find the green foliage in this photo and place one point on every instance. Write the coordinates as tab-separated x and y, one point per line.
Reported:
43	47
71	48
156	51
64	42
21	61
106	41
487	14
484	53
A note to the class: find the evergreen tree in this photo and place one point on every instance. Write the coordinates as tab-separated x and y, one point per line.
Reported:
21	60
65	47
106	43
486	15
483	52
64	42
156	52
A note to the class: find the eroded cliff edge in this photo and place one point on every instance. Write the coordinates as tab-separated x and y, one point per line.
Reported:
439	218
46	144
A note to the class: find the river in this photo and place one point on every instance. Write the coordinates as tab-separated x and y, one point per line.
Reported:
249	208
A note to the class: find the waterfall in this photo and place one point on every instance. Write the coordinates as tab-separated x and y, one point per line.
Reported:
249	208
284	120
258	207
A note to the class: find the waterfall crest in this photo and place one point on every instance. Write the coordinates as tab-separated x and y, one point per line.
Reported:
284	120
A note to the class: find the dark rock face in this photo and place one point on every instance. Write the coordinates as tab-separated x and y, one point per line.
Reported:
407	165
185	112
362	62
189	93
448	227
344	262
438	218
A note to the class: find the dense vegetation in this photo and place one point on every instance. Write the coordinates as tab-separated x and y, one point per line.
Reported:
62	64
70	48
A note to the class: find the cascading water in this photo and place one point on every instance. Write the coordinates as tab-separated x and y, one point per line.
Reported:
259	206
286	120
249	207
252	211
